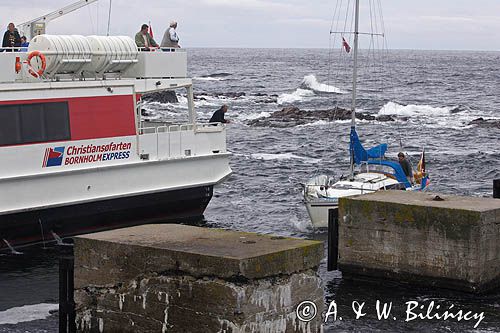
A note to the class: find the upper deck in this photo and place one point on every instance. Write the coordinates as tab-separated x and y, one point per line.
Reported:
72	61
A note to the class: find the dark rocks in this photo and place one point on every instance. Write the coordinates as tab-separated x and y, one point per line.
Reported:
166	96
265	98
293	116
230	94
386	117
486	123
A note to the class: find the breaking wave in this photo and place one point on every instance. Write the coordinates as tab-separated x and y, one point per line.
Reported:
208	78
253	116
222	74
27	313
311	82
297	96
410	110
213	77
283	156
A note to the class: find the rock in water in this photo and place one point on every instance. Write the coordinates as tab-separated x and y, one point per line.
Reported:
486	123
293	116
166	96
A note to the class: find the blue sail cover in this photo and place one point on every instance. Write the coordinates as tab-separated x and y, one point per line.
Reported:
360	153
399	174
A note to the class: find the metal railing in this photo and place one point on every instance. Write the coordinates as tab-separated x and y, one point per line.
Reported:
14	49
176	129
160	49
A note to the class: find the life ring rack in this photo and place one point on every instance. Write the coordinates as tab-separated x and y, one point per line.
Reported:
41	56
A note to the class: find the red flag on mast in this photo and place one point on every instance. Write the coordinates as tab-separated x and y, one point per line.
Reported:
346	45
150	30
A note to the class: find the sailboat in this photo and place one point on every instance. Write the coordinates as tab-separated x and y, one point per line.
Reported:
369	171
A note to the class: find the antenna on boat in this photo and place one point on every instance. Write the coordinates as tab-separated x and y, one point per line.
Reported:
109	17
354	83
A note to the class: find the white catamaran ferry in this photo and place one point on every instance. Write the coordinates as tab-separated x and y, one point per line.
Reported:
75	153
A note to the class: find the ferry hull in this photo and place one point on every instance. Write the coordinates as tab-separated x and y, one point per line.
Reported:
36	226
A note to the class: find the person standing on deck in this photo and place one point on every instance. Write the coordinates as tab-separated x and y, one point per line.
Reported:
406	166
11	37
144	40
170	37
24	44
218	116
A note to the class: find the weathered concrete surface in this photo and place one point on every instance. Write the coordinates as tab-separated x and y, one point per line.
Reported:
192	250
178	278
452	243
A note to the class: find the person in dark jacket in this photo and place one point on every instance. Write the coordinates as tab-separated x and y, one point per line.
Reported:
406	166
144	40
11	37
218	116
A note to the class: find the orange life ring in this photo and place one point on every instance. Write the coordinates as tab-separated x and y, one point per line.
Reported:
40	55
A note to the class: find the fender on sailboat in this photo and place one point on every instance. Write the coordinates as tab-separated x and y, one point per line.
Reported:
360	153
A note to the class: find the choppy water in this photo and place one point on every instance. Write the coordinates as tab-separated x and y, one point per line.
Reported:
435	95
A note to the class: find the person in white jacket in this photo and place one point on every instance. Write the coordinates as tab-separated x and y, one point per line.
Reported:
170	37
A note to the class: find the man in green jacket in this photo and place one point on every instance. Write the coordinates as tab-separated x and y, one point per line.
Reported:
144	40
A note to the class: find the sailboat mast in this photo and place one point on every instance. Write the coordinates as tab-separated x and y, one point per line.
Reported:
354	84
355	65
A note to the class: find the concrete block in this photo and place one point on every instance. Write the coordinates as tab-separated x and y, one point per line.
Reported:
175	278
410	236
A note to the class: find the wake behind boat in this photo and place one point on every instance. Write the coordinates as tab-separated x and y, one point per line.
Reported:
369	170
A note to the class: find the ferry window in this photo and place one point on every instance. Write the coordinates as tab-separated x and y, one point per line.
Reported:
10	125
30	123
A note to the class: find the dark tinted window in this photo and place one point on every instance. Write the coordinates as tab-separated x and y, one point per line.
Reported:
10	124
31	123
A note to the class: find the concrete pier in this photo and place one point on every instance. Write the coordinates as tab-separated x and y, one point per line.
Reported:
175	278
425	238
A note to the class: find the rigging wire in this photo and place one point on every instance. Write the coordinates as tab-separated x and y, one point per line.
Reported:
332	40
97	18
91	20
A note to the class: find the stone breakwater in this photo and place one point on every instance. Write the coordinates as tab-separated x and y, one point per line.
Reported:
433	240
159	278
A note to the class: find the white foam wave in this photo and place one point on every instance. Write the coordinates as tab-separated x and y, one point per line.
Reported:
27	313
302	225
316	123
297	96
283	156
202	78
311	82
205	101
410	110
253	116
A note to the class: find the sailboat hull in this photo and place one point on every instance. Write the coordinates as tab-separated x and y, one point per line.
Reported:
318	212
321	195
